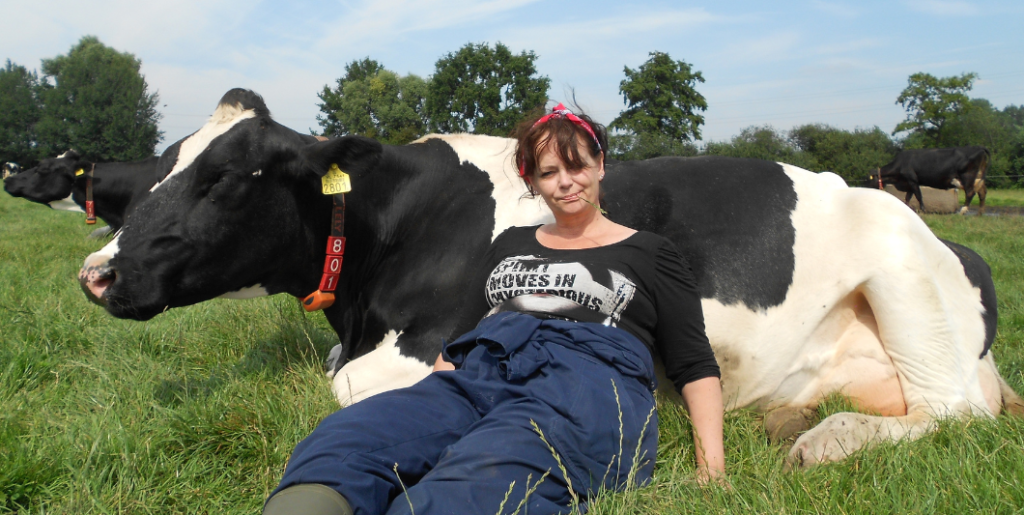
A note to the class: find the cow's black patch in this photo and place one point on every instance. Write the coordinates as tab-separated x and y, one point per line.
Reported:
731	218
980	275
246	99
115	185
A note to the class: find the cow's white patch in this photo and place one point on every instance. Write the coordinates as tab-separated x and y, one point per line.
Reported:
66	205
223	119
249	292
101	257
381	370
513	207
832	179
64	154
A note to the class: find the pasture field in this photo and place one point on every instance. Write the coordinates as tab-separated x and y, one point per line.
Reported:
997	198
197	410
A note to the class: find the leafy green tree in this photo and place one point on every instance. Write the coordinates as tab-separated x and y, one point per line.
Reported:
98	104
661	97
1014	115
646	145
374	102
763	143
849	154
19	113
332	98
930	103
484	90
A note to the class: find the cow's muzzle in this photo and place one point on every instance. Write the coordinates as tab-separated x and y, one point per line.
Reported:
96	276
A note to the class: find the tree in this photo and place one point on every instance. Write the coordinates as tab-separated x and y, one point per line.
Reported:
646	145
484	90
98	104
763	143
930	102
332	98
661	97
848	154
19	113
1014	114
374	102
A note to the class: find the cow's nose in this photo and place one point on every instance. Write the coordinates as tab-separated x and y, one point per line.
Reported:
95	278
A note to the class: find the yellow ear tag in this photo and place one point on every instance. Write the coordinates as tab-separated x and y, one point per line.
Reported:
336	181
79	172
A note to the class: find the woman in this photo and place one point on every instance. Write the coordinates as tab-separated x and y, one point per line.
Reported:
550	397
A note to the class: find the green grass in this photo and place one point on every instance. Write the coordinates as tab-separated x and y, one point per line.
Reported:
998	198
197	410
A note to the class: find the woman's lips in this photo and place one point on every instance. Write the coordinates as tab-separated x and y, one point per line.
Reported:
570	198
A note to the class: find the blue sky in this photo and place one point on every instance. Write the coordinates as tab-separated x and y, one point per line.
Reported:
778	63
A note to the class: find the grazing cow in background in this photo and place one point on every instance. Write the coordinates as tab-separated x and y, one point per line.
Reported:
54	182
10	169
799	301
940	168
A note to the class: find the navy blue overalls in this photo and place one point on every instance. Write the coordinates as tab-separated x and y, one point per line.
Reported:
462	439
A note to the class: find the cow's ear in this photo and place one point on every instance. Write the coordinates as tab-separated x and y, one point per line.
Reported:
81	168
355	155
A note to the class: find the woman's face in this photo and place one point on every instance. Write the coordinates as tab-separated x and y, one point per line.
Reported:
564	189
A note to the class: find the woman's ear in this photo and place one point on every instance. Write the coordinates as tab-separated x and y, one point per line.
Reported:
529	185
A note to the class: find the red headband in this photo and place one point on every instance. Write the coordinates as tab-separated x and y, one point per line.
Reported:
561	111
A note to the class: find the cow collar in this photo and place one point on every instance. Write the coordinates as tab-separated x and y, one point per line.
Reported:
336	184
90	206
323	297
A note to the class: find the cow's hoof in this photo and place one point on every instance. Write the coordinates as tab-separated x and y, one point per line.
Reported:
334	361
784	423
833	439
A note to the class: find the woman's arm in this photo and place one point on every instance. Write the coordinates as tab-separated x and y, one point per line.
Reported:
703	399
441	364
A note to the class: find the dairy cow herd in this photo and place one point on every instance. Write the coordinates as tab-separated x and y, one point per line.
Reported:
801	301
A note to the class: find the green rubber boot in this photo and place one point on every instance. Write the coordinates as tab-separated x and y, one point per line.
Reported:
309	499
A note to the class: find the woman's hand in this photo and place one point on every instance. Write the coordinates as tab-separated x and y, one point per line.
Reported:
703	399
441	364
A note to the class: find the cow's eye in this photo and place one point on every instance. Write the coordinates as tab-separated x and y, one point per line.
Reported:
230	185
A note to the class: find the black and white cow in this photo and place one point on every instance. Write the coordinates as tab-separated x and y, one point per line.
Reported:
940	168
55	182
800	299
10	169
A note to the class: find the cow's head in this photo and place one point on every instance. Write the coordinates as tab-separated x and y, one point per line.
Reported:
51	182
873	179
240	208
11	168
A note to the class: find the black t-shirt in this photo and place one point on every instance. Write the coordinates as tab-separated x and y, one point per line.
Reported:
641	284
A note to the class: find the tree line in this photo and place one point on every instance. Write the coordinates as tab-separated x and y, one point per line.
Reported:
95	100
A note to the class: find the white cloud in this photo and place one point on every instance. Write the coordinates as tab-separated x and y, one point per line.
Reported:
943	7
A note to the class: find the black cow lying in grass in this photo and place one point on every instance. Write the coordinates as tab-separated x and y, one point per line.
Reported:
800	301
940	168
60	183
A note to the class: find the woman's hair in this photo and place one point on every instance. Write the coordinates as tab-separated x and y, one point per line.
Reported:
534	137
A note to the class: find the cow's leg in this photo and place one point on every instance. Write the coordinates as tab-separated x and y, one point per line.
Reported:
979	186
917	194
930	325
786	422
968	197
380	370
